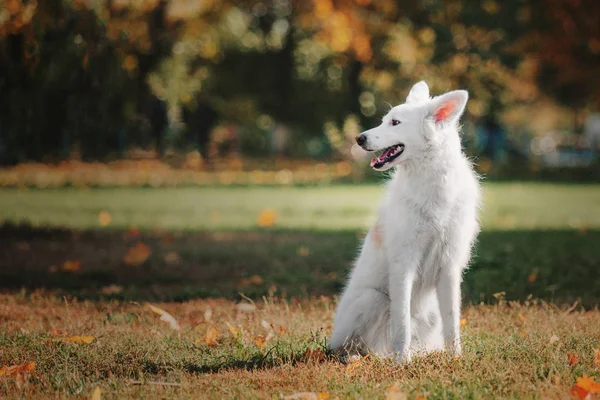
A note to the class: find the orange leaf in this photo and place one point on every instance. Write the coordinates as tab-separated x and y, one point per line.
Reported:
266	218
82	339
104	218
572	358
579	392
137	255
213	336
71	266
17	369
587	383
532	276
260	341
463	322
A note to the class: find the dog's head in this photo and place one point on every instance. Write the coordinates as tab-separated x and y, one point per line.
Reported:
409	129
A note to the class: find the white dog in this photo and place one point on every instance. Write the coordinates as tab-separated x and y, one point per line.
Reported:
403	295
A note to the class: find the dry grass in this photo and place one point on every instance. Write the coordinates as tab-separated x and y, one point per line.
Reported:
510	351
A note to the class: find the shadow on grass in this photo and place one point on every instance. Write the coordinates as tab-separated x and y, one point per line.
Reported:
557	265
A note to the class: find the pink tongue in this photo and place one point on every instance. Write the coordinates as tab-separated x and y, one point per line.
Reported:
382	157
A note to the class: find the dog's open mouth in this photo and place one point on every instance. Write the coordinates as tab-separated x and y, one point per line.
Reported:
388	155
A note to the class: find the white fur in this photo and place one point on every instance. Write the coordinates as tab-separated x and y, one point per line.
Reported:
403	295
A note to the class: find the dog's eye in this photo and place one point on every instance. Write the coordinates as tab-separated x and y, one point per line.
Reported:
395	122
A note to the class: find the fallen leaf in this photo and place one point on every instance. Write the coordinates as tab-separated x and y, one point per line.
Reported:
419	398
167	239
314	355
213	336
282	330
82	339
253	280
308	396
463	322
172	257
572	359
553	339
245	307
261	341
303	251
165	316
521	317
395	392
268	326
533	276
208	314
584	387
266	218
96	394
17	369
71	266
111	289
588	383
137	254
104	218
232	329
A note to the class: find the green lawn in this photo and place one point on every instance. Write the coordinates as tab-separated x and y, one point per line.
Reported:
308	252
508	206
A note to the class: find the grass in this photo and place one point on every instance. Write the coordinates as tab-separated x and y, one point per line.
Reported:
538	245
508	206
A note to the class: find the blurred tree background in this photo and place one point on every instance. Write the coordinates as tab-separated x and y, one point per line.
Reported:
224	81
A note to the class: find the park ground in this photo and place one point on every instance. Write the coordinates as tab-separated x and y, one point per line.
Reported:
229	292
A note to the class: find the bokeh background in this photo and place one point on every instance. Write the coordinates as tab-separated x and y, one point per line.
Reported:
178	149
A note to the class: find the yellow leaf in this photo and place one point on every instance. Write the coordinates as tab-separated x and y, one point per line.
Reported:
172	257
463	322
395	392
82	339
137	255
96	394
111	289
213	336
104	218
303	251
232	329
266	218
165	317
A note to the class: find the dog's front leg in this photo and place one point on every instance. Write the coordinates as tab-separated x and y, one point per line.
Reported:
448	292
401	284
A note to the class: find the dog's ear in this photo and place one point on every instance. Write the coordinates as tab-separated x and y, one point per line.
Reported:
448	107
418	93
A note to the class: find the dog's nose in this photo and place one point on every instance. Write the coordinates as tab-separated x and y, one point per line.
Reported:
361	139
